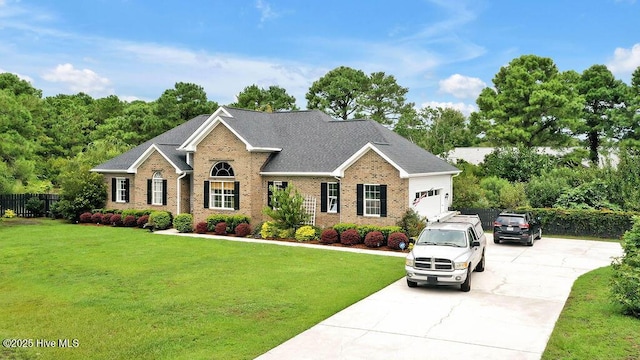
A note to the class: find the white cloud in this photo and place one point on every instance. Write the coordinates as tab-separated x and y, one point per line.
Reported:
625	60
464	108
462	87
266	13
84	80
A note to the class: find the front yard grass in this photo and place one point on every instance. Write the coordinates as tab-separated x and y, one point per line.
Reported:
591	327
128	294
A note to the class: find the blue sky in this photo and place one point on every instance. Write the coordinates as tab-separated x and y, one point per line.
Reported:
443	51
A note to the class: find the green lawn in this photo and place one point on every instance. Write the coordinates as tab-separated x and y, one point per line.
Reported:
591	327
126	293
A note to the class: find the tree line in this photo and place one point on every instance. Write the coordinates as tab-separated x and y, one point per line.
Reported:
46	141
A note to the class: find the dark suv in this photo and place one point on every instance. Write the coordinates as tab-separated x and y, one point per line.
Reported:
516	226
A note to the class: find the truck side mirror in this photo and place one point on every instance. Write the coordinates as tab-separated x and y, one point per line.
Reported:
475	244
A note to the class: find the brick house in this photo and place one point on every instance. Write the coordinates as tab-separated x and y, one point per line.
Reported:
354	171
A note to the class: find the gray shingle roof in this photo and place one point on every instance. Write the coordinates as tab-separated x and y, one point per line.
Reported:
311	142
167	142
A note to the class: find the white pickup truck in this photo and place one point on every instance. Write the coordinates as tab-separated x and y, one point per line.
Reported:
447	251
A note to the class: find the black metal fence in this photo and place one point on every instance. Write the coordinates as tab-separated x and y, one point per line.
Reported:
487	216
18	203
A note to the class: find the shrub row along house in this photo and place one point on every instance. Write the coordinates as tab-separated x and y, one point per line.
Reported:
353	171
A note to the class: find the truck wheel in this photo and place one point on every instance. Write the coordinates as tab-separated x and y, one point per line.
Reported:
480	266
466	285
411	284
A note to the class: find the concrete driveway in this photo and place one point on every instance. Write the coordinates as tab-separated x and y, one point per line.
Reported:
509	313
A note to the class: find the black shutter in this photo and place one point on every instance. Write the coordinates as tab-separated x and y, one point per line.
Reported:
126	190
383	200
269	192
149	191
164	192
284	184
338	200
113	189
236	195
323	197
206	194
359	199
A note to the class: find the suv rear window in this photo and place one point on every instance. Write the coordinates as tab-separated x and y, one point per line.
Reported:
510	220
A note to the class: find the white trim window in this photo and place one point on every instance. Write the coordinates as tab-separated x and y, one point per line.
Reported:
157	188
372	200
332	197
222	194
121	190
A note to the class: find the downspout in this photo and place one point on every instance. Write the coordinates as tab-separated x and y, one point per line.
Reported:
178	192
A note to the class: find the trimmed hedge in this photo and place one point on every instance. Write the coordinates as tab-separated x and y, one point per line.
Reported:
106	219
142	220
329	236
597	223
350	237
86	217
374	239
161	220
306	233
220	228
183	223
201	227
129	221
231	220
242	230
396	239
116	220
342	227
96	218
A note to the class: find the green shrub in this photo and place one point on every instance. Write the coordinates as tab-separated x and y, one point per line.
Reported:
411	223
626	272
596	223
231	220
286	233
8	214
306	233
268	230
363	230
288	211
35	206
183	223
341	227
388	230
160	220
398	241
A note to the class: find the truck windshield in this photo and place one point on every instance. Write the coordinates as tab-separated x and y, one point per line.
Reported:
442	237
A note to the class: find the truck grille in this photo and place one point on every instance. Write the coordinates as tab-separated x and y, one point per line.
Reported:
434	264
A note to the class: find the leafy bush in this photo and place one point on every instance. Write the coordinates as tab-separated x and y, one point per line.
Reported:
129	221
134	212
268	230
220	228
517	164
116	220
626	273
183	223
256	230
161	220
341	227
288	211
591	195
329	236
411	223
513	196
350	237
374	239
86	217
231	220
243	229
82	191
286	233
201	227
106	219
363	230
142	220
306	233
96	218
8	214
35	206
544	190
398	241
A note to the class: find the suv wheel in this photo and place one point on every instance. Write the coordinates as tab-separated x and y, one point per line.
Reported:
466	285
530	242
539	233
411	284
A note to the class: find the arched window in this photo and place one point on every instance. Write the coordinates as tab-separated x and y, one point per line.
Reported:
222	169
157	188
223	192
